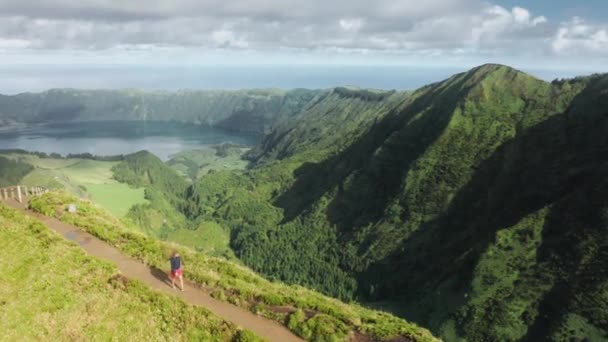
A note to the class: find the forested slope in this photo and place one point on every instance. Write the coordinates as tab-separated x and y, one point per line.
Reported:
477	203
476	206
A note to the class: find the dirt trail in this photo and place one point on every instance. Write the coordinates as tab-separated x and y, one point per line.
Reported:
159	280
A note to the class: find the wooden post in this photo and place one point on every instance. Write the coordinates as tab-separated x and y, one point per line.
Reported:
12	193
3	194
19	198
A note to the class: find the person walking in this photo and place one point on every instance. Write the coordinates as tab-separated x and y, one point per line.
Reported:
176	270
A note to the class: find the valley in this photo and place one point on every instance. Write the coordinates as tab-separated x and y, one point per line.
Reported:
475	206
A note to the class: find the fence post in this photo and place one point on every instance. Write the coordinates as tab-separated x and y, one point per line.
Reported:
19	198
3	193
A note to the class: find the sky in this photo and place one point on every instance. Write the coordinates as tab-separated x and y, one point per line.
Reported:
313	43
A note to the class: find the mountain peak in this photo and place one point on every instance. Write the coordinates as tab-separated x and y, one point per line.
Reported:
489	69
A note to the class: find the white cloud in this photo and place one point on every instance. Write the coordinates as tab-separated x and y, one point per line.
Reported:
576	37
439	28
497	22
521	15
14	44
351	24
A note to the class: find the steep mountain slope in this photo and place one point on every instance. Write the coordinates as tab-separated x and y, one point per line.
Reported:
245	111
477	203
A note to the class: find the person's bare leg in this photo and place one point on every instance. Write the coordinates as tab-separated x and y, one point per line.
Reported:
173	282
181	283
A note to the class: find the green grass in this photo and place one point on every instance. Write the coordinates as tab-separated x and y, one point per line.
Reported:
331	320
116	197
209	238
50	290
84	178
196	163
48	179
86	171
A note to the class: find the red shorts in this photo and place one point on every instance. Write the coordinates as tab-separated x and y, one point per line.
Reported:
177	273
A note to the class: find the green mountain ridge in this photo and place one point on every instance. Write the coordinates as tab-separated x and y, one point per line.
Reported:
439	200
240	110
476	206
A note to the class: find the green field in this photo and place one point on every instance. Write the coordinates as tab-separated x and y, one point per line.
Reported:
50	290
83	177
116	197
196	163
210	238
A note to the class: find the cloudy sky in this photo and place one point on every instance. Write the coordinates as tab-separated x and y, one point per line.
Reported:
47	36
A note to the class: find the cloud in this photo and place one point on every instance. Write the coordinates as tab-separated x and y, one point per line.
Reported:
577	37
346	27
353	24
497	25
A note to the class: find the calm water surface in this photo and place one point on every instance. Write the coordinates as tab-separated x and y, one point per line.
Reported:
112	138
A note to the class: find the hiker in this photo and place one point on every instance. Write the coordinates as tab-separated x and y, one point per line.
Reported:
176	270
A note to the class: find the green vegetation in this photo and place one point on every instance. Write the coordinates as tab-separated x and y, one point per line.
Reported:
12	171
475	204
364	94
44	155
50	290
196	163
83	177
161	217
326	319
116	197
208	237
164	191
241	110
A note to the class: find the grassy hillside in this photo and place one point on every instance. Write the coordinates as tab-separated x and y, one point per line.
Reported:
50	290
196	163
474	204
83	177
13	171
309	314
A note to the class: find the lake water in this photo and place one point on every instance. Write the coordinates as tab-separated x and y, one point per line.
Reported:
111	138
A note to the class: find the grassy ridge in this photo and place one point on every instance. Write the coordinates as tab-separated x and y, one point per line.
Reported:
475	204
309	314
50	290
